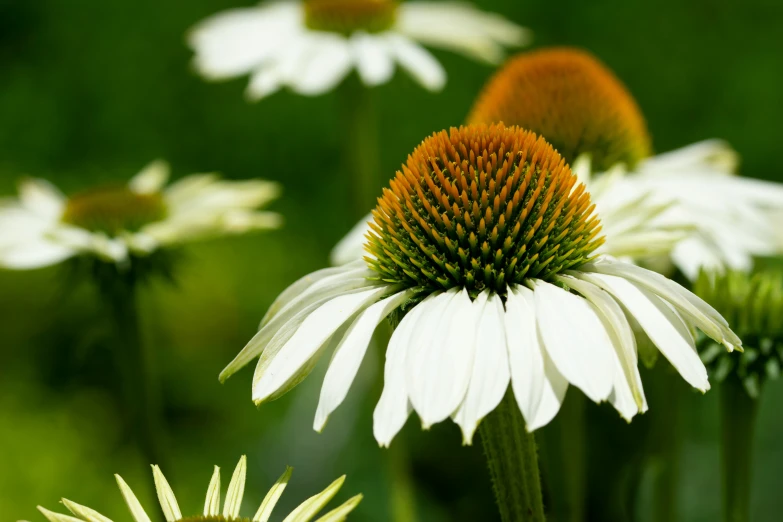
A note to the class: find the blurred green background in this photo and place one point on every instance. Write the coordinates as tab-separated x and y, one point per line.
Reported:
90	91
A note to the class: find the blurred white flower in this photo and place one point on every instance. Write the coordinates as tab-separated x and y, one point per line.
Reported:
484	250
212	512
311	46
43	227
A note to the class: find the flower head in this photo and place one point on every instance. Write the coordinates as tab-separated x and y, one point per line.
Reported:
117	223
753	302
482	252
212	512
573	100
310	46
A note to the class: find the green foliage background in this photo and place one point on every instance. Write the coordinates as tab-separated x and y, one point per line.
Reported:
90	91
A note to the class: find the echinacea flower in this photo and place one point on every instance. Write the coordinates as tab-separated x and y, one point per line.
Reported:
482	252
116	223
311	45
580	106
212	511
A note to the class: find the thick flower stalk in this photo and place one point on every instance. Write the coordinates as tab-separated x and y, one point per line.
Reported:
579	105
483	253
231	510
754	303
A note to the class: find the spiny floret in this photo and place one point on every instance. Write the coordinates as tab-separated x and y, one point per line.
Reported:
753	306
571	99
348	16
113	210
481	207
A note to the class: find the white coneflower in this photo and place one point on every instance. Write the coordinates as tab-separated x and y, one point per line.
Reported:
115	223
576	103
483	253
212	511
310	46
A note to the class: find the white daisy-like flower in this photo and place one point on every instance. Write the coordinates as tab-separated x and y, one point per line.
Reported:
310	46
483	253
576	103
212	511
44	227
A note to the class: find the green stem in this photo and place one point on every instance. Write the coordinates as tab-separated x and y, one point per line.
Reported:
134	366
513	463
738	413
360	140
665	389
564	452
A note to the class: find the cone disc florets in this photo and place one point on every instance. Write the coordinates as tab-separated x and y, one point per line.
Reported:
571	99
481	207
348	16
114	210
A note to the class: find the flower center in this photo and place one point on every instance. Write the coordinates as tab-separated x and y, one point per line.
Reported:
348	16
572	100
481	207
113	210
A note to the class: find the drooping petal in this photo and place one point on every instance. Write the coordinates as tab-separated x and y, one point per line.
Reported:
660	324
328	62
151	179
349	354
212	502
575	339
419	62
310	507
373	60
351	247
490	375
440	357
168	502
271	498
315	330
393	407
137	512
236	490
88	514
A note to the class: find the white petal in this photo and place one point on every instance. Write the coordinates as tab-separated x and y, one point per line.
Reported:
233	42
628	395
265	81
419	62
316	329
151	179
325	287
34	254
328	61
236	490
351	247
138	513
660	324
525	354
555	388
168	502
694	309
490	374
310	507
212	502
349	354
440	357
42	198
88	514
271	498
575	339
373	60
393	407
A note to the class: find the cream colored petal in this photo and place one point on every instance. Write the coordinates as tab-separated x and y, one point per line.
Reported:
138	513
271	498
212	502
57	517
310	507
88	514
151	179
168	502
339	514
236	490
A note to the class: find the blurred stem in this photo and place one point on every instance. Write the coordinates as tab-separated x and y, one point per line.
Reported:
360	142
403	498
513	463
665	389
564	451
134	366
738	413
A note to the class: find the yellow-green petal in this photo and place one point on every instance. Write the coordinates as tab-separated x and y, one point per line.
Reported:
310	507
338	514
168	502
138	513
88	514
212	502
236	489
271	498
57	517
